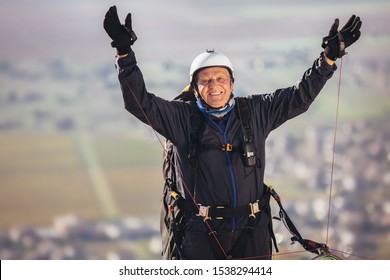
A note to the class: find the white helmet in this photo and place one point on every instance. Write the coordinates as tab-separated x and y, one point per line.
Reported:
208	59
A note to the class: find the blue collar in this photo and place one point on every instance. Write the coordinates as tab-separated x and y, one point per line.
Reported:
218	113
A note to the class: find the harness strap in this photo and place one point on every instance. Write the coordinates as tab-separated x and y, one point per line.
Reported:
225	148
244	115
177	234
220	212
207	212
242	109
196	120
308	245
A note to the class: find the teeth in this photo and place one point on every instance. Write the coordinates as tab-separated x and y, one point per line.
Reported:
216	93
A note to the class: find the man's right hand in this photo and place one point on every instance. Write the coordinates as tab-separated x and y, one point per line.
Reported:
122	36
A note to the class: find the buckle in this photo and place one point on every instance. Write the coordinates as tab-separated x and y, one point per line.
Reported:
175	195
204	212
341	45
228	147
255	208
220	217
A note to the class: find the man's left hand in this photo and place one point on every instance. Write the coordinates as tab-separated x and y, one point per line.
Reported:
337	41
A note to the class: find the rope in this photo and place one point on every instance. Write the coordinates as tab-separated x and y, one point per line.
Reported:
334	152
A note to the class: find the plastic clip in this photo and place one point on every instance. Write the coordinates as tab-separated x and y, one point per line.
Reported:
228	147
204	212
254	207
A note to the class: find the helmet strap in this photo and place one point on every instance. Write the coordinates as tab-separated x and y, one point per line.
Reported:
195	89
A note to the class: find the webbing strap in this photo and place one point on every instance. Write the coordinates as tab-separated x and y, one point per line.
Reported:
326	39
308	245
224	148
196	120
209	212
245	116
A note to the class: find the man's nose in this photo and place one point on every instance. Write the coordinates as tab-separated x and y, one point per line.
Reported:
211	83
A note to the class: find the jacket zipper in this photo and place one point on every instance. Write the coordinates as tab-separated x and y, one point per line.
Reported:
234	222
233	181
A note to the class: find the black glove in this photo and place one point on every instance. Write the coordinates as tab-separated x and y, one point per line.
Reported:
122	36
337	41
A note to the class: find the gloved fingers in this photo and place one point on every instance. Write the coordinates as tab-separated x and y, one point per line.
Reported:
112	17
357	35
357	25
107	19
334	27
129	28
349	23
128	23
353	37
352	34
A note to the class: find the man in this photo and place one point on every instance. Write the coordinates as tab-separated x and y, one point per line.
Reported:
226	205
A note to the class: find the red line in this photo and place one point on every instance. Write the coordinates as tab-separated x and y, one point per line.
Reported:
334	152
331	250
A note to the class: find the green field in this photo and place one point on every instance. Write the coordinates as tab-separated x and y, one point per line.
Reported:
45	175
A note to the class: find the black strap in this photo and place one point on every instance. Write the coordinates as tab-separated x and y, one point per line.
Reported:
309	245
219	212
341	45
196	121
341	42
244	115
177	235
243	112
224	148
189	206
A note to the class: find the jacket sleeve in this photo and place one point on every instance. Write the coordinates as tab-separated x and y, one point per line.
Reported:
168	118
276	108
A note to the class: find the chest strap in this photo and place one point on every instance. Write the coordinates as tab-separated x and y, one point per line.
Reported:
225	148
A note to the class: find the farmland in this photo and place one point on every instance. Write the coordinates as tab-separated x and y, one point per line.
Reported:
45	177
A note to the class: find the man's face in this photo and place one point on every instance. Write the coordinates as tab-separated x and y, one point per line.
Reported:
215	86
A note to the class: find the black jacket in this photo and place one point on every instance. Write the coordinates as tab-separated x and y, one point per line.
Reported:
221	178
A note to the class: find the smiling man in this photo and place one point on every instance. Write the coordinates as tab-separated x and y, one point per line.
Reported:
211	75
215	86
220	205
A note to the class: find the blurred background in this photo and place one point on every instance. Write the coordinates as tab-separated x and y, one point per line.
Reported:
80	178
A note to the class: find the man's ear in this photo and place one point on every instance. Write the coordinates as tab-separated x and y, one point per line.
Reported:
232	85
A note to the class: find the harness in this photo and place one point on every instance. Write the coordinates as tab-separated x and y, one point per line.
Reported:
209	213
176	207
242	110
